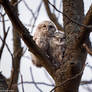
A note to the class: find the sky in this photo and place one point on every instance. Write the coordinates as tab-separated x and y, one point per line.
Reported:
38	73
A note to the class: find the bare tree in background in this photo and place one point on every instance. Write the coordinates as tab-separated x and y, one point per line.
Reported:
77	28
17	54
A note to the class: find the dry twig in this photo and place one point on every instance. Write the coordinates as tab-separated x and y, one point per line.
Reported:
22	82
34	81
52	16
87	49
72	20
3	41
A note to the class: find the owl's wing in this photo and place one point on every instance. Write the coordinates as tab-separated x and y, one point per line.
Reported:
35	60
57	47
43	44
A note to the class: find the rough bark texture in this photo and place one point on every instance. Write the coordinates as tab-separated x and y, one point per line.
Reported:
75	55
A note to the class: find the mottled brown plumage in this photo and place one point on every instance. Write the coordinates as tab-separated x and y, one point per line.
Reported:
50	41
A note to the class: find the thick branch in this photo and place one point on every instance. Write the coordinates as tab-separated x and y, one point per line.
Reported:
52	16
75	11
23	32
73	56
85	31
88	17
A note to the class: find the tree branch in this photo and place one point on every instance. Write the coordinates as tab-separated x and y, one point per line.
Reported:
22	82
86	82
31	11
84	33
3	41
24	34
52	16
69	18
34	81
87	49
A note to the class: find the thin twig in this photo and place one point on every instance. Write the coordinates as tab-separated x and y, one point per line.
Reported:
87	49
11	80
54	2
87	88
8	48
59	8
3	40
34	80
29	9
38	83
17	2
52	16
22	82
38	11
72	20
86	82
3	22
89	66
24	52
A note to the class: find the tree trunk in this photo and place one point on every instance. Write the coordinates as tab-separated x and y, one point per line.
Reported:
75	55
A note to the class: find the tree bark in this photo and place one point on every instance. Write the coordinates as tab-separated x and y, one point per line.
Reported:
17	52
75	55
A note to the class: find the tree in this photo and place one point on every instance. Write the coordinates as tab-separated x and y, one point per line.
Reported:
16	56
77	28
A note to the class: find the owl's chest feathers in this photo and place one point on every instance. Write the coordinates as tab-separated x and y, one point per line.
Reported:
50	41
56	42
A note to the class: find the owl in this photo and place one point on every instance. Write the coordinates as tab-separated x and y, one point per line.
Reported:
50	41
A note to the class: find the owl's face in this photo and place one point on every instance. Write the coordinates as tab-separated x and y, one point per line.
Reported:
47	27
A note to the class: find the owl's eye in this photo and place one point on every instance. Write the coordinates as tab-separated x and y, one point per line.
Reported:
44	25
50	26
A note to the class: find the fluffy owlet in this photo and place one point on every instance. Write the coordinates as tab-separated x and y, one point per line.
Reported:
52	42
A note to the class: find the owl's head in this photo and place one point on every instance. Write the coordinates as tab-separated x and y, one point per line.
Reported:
47	27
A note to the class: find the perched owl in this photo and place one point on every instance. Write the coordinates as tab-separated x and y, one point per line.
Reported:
52	42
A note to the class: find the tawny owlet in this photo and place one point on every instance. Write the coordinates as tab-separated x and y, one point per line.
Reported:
52	42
